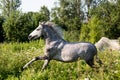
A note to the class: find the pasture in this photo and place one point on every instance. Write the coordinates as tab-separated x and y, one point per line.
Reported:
13	56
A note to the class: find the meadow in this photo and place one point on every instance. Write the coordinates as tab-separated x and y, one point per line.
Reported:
13	56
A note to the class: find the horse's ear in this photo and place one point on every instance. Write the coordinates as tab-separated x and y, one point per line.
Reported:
40	23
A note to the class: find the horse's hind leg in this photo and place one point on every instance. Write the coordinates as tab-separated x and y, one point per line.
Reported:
98	60
35	59
90	62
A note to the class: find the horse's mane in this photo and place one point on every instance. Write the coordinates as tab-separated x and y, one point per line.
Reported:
56	28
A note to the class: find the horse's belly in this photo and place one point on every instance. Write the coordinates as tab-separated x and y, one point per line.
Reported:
66	57
70	59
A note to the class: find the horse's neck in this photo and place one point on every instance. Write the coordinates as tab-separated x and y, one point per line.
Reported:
48	40
51	36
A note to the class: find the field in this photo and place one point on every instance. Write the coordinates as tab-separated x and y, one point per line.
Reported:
13	56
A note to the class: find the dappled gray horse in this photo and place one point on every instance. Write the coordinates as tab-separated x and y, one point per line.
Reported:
57	48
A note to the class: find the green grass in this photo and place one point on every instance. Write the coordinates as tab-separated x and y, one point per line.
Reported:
13	56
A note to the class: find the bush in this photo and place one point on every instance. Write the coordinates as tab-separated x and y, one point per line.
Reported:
92	31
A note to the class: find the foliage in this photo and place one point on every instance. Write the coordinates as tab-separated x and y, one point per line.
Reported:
68	16
18	26
1	29
103	21
87	20
68	13
109	14
15	55
10	26
92	31
45	14
9	6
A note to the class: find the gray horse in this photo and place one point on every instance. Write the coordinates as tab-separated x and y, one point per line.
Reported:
57	48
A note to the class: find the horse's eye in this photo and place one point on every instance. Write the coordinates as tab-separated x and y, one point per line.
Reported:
38	29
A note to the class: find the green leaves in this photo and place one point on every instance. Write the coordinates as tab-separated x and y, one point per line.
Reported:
9	6
92	31
68	16
103	21
18	25
45	14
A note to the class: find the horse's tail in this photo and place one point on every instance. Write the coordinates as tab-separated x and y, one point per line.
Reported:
98	60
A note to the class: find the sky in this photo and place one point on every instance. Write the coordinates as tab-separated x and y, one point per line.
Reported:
35	5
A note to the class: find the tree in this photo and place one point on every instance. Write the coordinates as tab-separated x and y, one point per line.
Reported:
26	24
11	15
104	21
68	15
45	13
109	13
18	27
8	7
92	31
10	27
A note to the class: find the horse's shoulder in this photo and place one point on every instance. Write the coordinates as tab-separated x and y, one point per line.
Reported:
52	45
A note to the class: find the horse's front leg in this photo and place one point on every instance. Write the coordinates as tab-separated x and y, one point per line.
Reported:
35	59
46	62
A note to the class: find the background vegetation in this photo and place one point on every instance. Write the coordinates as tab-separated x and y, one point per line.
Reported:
81	20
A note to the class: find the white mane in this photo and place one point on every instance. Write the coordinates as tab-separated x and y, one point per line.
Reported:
57	29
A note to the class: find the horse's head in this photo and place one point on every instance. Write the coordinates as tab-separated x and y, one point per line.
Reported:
38	32
48	29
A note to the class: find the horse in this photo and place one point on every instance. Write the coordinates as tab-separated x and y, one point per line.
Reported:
56	48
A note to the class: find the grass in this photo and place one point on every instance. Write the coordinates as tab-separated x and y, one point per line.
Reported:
13	56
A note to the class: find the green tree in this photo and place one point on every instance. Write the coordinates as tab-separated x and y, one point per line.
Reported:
109	13
104	21
10	26
68	15
45	13
26	24
8	7
17	27
93	30
11	14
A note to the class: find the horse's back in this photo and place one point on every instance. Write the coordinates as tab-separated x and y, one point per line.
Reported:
80	46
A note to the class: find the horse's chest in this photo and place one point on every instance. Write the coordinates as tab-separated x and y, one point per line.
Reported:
51	49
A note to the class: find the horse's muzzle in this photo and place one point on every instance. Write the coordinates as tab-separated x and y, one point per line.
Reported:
29	37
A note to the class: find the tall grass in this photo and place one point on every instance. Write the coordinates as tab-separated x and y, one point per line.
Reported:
13	56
